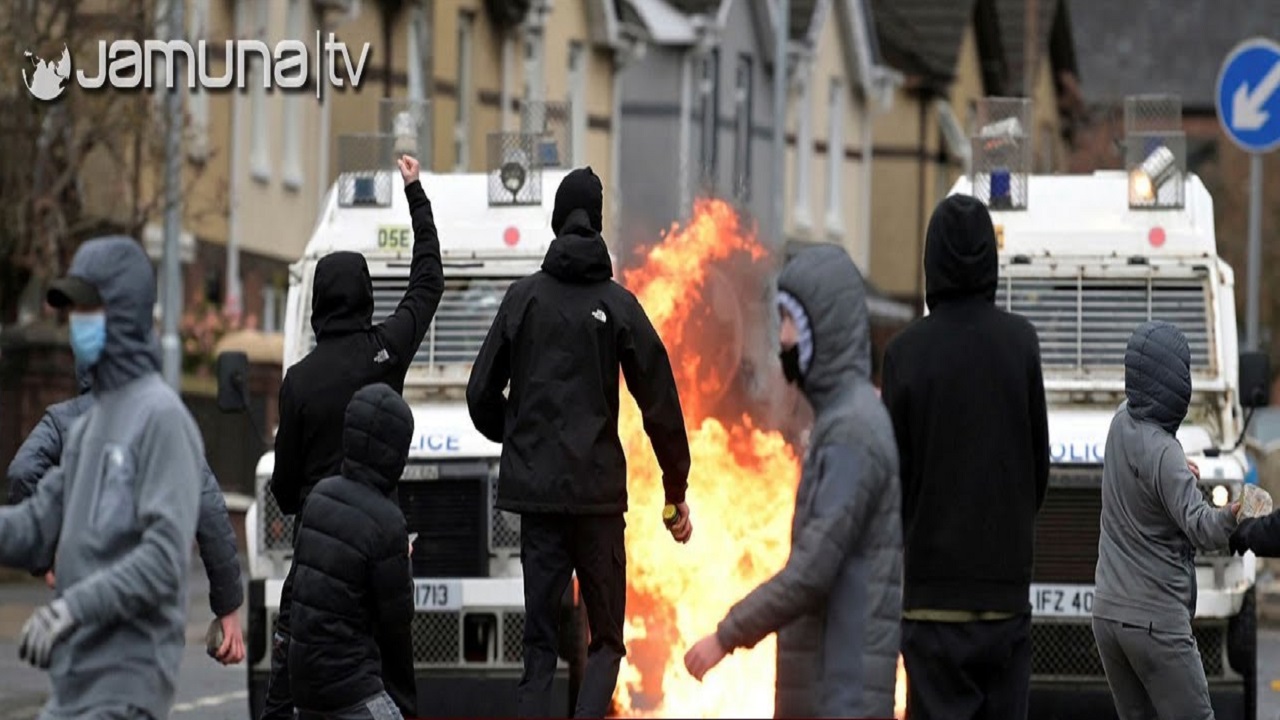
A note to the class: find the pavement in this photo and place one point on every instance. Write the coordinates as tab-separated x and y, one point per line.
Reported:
206	689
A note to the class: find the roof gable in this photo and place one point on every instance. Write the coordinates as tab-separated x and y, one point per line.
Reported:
922	37
1141	46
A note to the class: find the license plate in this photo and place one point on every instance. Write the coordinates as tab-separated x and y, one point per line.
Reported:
1062	600
437	595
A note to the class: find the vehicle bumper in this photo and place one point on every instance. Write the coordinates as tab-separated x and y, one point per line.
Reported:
1071	701
454	693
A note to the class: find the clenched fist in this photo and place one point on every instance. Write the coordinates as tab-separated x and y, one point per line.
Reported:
409	168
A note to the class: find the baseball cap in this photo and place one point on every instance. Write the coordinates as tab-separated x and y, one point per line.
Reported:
71	290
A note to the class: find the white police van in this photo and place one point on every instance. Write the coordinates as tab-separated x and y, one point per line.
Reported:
1087	258
494	228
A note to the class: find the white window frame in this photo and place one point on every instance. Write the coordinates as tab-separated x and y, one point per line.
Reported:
835	155
804	155
578	58
259	142
742	110
198	101
709	130
465	92
292	124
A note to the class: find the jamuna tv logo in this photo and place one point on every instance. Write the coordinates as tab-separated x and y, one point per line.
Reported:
130	65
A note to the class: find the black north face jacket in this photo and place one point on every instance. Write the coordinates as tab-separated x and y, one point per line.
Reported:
560	337
350	352
353	591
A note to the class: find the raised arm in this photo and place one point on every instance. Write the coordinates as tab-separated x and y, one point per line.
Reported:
404	330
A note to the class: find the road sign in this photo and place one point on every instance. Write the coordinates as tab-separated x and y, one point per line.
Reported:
1248	95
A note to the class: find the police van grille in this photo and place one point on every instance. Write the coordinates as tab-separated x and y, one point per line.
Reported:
1067	651
451	519
1067	527
1085	323
466	311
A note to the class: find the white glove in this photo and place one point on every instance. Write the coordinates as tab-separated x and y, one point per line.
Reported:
47	626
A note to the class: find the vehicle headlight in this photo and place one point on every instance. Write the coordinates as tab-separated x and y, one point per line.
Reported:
1220	495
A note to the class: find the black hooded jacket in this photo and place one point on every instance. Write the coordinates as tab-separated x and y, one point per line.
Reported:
350	352
965	391
353	591
559	337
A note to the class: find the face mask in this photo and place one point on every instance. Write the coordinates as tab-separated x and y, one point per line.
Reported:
790	358
88	336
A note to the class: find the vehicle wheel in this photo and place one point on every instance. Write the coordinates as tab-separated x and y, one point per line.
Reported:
573	643
1242	650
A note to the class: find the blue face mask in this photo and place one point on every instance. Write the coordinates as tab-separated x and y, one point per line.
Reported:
88	336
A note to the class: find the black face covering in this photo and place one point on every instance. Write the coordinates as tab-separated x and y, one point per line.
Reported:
790	358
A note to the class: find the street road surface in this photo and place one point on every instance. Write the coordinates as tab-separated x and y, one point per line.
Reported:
209	691
206	689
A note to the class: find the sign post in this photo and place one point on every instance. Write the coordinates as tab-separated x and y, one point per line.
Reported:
1248	100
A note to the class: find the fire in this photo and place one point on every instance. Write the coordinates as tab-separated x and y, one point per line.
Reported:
741	494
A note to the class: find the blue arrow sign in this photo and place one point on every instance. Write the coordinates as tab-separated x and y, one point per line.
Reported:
1248	95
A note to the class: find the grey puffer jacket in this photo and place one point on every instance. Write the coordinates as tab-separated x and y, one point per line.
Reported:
836	604
216	540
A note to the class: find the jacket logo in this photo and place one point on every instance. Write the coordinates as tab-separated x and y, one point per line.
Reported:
382	356
599	315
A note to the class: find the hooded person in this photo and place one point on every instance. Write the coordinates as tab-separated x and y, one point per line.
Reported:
353	592
559	338
120	510
42	448
835	604
351	351
965	390
215	539
1154	516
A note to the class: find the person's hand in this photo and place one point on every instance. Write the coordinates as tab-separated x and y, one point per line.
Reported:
408	168
48	626
1195	469
50	580
704	655
1236	507
683	529
231	652
1237	541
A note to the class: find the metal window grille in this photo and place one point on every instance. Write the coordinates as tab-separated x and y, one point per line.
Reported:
1085	322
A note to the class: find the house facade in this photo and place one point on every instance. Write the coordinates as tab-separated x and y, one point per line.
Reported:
696	114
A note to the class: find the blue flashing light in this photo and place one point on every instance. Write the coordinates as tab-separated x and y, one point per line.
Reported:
1000	185
365	191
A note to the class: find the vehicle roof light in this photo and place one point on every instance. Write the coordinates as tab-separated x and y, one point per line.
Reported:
1001	189
1146	180
406	133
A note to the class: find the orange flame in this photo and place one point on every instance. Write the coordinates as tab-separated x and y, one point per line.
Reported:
741	495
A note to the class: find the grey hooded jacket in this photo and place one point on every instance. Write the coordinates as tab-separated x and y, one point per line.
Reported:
120	511
216	540
1153	513
836	604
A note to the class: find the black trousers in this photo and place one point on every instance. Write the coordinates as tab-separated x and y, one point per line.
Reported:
278	704
552	548
967	671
